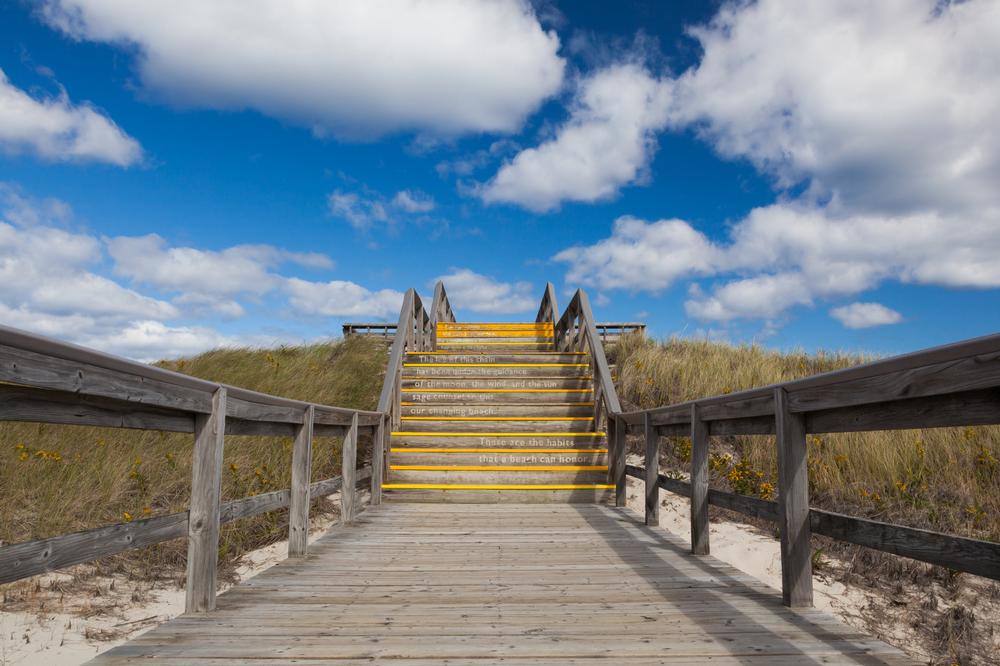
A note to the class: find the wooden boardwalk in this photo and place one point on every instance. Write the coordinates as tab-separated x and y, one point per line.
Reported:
480	584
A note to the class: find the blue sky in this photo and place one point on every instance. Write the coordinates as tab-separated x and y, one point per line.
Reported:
256	173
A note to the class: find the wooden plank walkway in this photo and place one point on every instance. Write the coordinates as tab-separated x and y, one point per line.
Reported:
550	584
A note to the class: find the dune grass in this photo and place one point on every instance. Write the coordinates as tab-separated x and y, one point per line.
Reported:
946	479
59	479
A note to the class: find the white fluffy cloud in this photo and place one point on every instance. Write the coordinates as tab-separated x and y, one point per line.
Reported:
56	281
339	298
468	290
641	255
865	315
607	143
888	106
56	129
351	67
240	269
885	118
790	254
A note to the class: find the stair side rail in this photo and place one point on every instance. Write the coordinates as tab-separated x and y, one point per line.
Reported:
440	310
548	310
576	331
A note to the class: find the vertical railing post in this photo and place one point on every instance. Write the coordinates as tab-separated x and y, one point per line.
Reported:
378	461
203	516
619	452
298	511
699	483
652	471
793	504
349	473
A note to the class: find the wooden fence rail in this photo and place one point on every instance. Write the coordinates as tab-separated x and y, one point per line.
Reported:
46	381
953	385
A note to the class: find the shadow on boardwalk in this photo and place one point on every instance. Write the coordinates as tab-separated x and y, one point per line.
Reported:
519	585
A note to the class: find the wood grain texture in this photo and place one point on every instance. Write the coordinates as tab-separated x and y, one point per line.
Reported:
298	514
380	448
32	558
349	464
793	504
973	556
618	450
652	438
19	403
203	523
699	483
547	584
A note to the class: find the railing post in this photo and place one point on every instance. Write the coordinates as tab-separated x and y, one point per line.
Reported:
619	467
203	516
378	461
298	510
699	483
652	471
793	504
349	465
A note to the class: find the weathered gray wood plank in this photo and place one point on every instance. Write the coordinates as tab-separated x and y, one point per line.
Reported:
652	463
793	504
203	523
349	464
535	584
699	483
298	514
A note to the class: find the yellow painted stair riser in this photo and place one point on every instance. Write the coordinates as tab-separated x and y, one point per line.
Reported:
499	468
439	486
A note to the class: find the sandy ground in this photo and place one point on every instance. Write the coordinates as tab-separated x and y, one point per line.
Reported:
82	628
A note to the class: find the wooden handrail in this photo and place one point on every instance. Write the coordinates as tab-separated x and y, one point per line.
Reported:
952	385
548	309
48	381
441	307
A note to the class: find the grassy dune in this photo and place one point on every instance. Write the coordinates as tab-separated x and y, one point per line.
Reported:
59	479
945	479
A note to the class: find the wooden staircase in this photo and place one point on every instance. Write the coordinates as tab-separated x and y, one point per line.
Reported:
493	413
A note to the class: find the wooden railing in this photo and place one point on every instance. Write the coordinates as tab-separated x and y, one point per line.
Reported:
954	385
611	331
576	331
440	311
47	381
548	309
381	329
414	332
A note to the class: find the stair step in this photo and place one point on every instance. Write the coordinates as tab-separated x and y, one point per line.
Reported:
497	425
509	340
575	494
518	384
494	346
557	440
483	457
516	476
470	408
482	370
444	333
489	358
510	398
495	326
